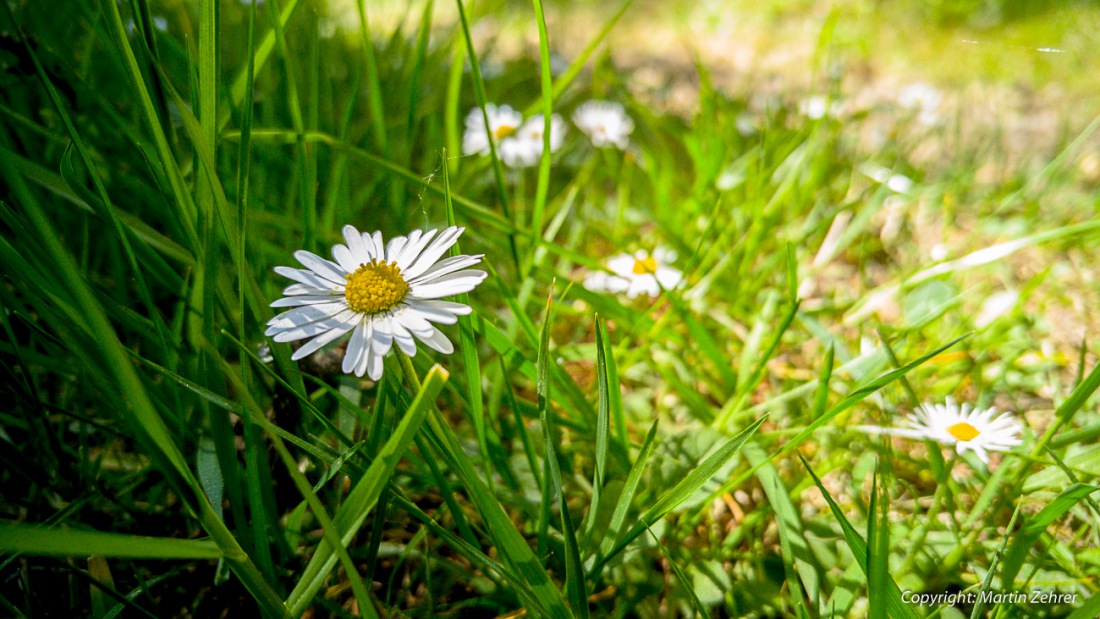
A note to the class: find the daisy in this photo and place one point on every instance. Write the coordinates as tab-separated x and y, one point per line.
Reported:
524	148
605	123
924	99
635	274
383	295
967	428
503	122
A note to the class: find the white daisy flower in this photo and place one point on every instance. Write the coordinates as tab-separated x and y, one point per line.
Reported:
524	148
503	122
605	123
967	428
636	274
924	99
383	295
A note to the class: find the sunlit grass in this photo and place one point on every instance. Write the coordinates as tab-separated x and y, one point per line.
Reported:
657	402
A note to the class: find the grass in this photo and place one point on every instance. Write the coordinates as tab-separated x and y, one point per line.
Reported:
582	453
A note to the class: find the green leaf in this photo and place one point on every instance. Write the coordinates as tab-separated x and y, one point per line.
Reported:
575	588
889	588
682	491
76	543
353	512
1036	526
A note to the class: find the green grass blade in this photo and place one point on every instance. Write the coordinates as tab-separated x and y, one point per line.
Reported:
515	549
366	492
543	185
482	100
76	543
603	429
799	564
471	363
626	496
861	393
575	589
682	490
685	582
1037	525
878	549
891	592
140	412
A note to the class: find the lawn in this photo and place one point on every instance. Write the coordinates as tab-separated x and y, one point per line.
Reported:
599	309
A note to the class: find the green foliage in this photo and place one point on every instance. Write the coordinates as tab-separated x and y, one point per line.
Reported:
155	462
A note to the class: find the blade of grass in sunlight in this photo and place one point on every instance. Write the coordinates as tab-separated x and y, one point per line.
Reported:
1026	537
374	84
470	360
626	495
892	594
603	429
575	588
799	564
685	582
862	393
517	554
547	117
878	548
482	100
72	543
681	491
140	412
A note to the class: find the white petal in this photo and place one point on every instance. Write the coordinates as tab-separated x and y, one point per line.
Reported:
344	258
394	247
320	266
643	284
445	266
448	285
379	246
316	343
622	265
412	251
356	245
304	315
429	310
403	338
309	278
432	253
357	345
337	322
669	277
300	289
374	366
438	341
382	338
302	300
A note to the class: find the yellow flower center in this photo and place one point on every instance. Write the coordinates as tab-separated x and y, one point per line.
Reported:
375	287
504	131
645	265
963	431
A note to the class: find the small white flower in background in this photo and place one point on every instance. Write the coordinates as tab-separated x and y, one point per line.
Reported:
966	428
746	124
924	99
636	274
382	294
817	107
605	123
898	183
503	122
524	148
